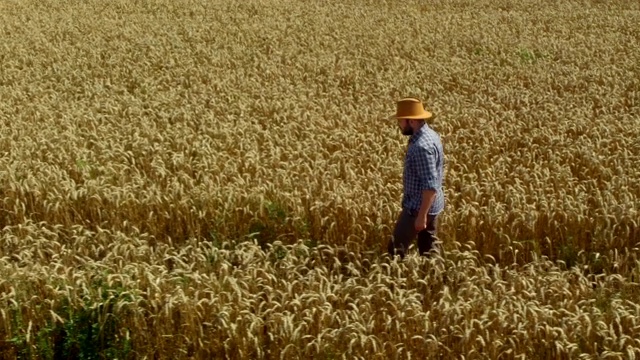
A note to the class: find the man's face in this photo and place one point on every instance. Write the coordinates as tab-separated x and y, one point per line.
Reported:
405	127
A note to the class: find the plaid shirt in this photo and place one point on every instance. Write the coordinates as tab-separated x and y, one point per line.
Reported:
423	170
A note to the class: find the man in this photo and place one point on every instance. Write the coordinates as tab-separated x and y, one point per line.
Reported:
423	196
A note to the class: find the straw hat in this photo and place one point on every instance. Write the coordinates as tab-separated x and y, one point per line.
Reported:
411	108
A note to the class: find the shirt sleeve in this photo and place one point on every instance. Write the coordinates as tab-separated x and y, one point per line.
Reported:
425	159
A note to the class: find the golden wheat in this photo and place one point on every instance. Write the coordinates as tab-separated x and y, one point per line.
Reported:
296	301
194	179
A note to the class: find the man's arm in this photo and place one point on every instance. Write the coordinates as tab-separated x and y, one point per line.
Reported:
427	174
427	200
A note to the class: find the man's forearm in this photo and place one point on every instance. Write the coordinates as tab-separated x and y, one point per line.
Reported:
427	201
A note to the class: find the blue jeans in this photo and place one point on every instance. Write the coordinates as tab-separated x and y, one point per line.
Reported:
405	232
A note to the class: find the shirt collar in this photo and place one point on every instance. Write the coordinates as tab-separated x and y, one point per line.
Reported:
418	133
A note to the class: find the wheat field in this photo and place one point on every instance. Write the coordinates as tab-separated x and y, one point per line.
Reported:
213	179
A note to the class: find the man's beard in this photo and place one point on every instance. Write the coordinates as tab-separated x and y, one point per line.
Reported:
408	131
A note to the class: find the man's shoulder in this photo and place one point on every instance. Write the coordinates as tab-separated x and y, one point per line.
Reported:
429	137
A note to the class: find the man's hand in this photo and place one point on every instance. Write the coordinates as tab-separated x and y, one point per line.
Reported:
421	222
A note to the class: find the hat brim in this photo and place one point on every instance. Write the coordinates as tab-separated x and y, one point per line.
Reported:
424	116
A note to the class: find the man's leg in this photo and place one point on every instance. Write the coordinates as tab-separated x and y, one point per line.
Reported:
403	234
427	237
